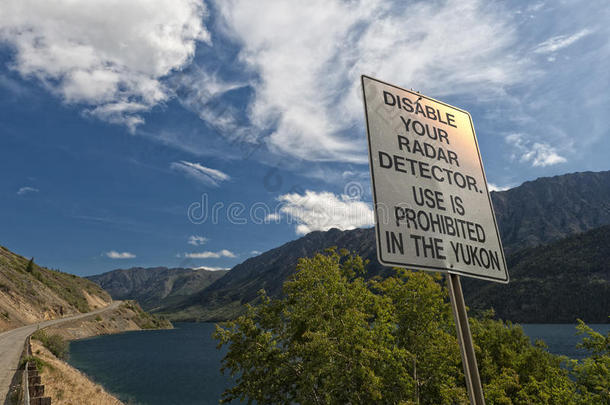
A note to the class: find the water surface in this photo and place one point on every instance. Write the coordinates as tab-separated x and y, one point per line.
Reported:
561	338
155	367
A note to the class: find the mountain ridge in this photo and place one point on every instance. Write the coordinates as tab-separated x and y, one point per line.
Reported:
155	286
536	213
550	208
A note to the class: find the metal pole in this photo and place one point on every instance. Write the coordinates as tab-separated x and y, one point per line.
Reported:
469	360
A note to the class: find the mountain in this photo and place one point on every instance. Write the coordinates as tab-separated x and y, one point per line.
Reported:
537	212
551	208
557	283
31	293
223	298
155	287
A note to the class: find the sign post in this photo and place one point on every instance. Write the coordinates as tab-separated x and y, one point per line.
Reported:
469	360
432	206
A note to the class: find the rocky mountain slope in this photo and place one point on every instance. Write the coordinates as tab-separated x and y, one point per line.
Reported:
155	287
30	293
551	208
537	212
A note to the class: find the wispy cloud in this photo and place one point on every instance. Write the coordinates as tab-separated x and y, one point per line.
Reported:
321	211
210	255
197	240
561	41
308	95
26	190
205	175
113	254
114	70
539	154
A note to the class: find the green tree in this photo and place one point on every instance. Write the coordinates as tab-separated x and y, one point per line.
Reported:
336	338
30	266
425	328
329	340
593	373
513	371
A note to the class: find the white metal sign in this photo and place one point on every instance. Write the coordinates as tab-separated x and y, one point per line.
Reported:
432	207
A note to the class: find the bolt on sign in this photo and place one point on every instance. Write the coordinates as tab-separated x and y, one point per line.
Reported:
432	207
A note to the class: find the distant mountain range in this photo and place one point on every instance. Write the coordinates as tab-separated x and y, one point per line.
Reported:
536	213
156	287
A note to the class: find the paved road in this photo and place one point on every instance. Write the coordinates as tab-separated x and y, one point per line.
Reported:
12	341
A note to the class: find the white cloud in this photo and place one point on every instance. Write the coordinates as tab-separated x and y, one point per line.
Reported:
322	211
561	41
26	190
113	254
197	240
109	55
495	187
206	175
211	268
309	56
539	154
210	255
255	252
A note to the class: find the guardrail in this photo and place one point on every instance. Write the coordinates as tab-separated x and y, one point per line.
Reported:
33	389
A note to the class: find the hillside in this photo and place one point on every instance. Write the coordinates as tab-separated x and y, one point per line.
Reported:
155	287
558	283
34	294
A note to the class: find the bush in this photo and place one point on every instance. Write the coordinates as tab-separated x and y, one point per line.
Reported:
55	343
39	362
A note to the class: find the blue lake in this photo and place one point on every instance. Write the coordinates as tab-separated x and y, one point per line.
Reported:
181	366
561	338
155	367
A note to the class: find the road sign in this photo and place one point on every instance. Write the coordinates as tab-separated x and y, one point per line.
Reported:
432	207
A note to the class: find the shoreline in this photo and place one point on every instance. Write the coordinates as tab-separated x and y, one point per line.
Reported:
66	384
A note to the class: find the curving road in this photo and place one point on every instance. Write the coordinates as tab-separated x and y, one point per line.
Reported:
12	341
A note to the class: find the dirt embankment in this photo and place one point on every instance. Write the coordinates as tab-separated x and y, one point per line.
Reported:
127	317
30	293
66	385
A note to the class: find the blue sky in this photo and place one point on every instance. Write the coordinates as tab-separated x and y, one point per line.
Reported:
188	133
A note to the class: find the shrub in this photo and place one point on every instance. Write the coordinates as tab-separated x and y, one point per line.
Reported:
55	343
39	362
